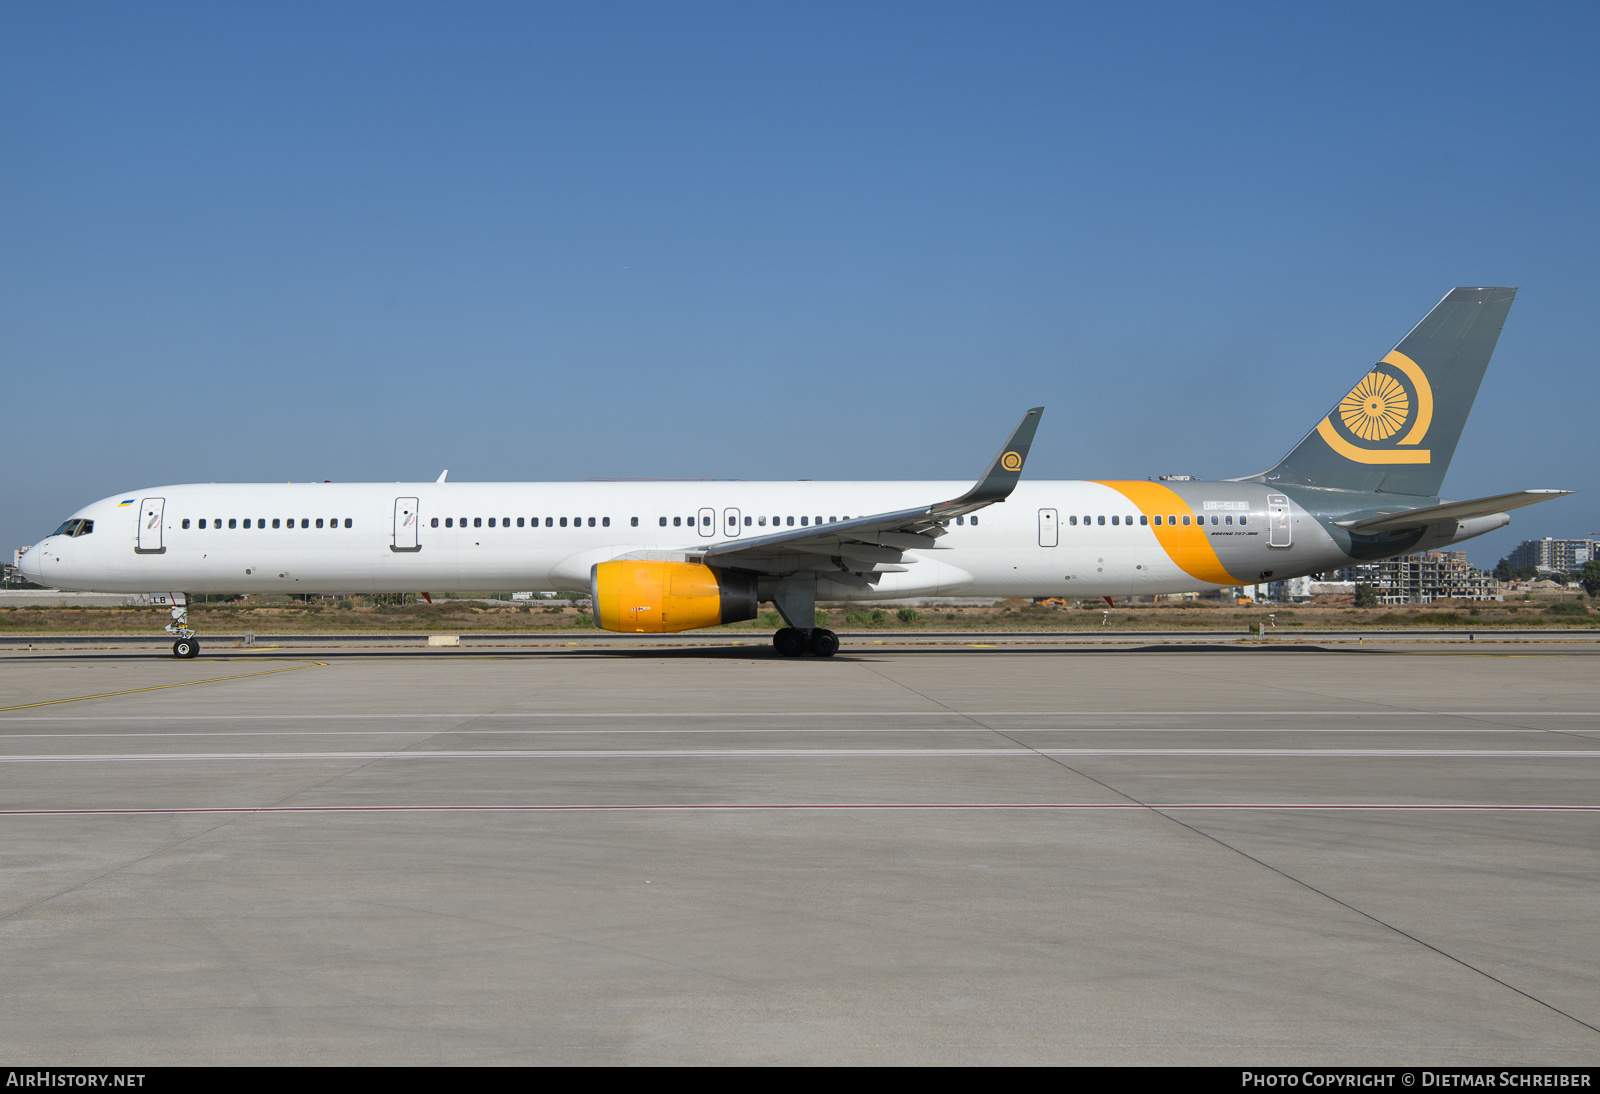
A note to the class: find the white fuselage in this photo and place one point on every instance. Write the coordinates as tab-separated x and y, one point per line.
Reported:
1048	539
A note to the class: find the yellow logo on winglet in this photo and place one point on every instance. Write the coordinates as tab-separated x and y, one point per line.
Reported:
1011	461
1377	408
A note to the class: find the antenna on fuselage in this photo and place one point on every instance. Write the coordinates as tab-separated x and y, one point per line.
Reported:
442	474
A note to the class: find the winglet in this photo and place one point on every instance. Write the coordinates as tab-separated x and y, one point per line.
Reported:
1005	469
442	474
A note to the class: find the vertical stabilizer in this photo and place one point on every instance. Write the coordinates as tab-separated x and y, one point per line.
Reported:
1397	429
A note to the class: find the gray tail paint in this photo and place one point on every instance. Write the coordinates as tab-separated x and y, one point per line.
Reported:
1397	429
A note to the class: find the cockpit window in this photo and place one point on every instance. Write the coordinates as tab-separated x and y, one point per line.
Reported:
65	529
76	527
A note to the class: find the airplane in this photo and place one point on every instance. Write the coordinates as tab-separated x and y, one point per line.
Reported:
663	557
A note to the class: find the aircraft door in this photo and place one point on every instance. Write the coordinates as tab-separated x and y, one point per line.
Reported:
708	522
405	524
730	522
1049	528
151	512
1279	531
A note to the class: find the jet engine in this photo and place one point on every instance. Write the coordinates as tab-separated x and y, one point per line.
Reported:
666	597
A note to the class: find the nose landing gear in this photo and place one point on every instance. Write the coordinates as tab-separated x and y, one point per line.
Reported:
187	646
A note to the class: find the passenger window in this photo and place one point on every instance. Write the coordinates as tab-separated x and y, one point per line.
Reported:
347	522
663	522
1128	521
818	520
974	520
831	520
960	521
505	522
1213	521
305	522
1113	520
1102	520
605	522
633	522
319	523
563	522
803	521
449	522
1241	520
747	522
186	522
733	521
232	523
791	522
761	521
1144	520
1227	519
491	522
1073	520
1171	519
1186	522
519	522
202	522
676	521
549	522
591	522
477	522
435	523
247	522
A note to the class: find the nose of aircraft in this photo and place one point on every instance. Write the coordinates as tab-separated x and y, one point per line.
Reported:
29	564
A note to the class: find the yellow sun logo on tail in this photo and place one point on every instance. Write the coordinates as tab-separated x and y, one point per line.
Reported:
1377	408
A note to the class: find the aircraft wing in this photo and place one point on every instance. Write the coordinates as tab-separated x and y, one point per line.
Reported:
1453	510
876	543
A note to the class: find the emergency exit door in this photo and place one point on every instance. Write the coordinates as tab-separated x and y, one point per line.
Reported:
1049	528
151	512
1279	530
405	524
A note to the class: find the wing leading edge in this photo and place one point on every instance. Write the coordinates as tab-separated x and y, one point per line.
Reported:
876	544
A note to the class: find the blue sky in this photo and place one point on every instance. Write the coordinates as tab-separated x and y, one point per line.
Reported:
369	242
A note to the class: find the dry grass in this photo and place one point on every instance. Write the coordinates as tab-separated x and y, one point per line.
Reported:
278	616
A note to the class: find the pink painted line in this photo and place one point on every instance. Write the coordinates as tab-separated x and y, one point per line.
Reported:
812	807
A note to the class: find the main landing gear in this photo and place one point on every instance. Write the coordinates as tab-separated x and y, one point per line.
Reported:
796	600
187	646
792	642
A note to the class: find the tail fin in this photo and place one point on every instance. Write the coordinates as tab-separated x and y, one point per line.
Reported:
1397	429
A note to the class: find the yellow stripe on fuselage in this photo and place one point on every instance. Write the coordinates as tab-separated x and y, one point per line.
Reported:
1187	545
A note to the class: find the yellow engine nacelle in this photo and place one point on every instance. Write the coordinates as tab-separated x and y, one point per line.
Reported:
665	597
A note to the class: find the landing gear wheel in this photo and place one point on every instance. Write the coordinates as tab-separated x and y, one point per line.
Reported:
823	643
186	648
790	642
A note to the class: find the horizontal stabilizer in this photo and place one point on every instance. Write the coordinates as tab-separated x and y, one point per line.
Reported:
1452	510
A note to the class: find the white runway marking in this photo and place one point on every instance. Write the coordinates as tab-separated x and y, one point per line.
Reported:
1063	807
446	715
815	753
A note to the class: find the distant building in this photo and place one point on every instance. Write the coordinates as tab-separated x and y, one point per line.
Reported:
1295	588
1424	578
1554	555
